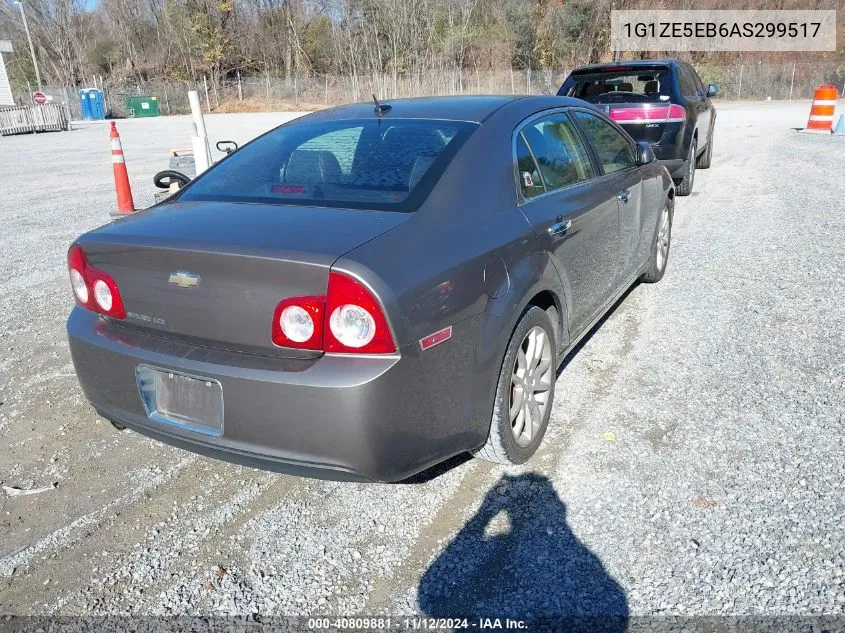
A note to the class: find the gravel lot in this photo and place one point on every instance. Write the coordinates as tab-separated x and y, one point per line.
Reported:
694	463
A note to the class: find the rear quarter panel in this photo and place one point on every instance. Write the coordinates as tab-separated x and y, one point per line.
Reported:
467	259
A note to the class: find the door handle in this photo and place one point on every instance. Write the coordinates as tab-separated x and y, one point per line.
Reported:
624	195
560	227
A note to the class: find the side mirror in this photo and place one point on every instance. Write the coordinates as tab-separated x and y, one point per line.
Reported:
645	155
712	90
227	146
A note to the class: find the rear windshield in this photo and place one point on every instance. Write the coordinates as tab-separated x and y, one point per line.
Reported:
638	85
372	163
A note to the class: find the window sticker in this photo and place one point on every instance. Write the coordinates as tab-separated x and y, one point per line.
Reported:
527	180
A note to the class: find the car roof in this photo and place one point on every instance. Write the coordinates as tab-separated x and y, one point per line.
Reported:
472	108
632	63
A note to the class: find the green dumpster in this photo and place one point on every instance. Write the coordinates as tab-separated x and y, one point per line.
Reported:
142	106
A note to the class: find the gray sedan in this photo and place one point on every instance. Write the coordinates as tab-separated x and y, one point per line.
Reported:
367	291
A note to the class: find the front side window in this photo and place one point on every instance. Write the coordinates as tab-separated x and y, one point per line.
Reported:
613	150
561	157
380	164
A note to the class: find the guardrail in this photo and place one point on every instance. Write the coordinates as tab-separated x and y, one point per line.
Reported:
49	117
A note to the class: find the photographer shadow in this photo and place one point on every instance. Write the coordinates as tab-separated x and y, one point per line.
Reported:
517	558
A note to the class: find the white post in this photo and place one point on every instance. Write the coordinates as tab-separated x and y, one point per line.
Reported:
199	141
240	89
739	92
196	112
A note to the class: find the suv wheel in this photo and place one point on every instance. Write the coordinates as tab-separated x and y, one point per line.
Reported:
705	159
525	391
684	188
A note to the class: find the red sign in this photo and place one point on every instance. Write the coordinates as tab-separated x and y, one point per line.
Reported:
39	98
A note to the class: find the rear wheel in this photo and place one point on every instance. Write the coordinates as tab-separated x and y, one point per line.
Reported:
660	250
705	159
684	188
525	391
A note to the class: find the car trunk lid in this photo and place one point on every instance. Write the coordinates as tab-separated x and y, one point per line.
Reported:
212	273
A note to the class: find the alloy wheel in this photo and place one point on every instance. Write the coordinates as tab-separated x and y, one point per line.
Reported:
531	384
691	172
663	233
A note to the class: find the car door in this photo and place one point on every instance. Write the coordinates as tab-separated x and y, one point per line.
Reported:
574	215
697	101
705	119
616	155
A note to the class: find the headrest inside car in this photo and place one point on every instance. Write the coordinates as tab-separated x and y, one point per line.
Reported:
309	167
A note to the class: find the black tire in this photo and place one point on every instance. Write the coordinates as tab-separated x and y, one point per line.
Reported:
164	179
657	265
684	188
502	446
706	158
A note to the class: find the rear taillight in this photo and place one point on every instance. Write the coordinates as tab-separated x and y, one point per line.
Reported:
355	318
298	323
649	113
349	319
92	288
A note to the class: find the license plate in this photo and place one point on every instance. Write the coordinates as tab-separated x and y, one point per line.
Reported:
190	402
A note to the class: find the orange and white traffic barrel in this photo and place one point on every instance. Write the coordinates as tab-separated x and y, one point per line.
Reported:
821	114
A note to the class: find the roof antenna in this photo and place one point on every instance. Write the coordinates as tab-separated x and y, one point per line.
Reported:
381	108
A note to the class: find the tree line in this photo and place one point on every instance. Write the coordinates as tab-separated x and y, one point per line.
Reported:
189	39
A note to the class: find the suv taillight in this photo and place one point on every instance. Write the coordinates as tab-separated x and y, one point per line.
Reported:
649	113
92	288
349	319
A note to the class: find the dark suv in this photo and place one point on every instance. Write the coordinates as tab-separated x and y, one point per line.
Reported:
661	101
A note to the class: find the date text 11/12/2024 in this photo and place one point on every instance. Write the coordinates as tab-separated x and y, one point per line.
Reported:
415	624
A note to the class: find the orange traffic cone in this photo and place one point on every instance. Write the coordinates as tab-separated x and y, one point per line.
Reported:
821	114
125	204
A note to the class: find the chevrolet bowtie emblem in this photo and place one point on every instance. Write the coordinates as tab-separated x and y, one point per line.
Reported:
184	279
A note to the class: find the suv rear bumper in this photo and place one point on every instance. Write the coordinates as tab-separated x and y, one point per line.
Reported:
675	166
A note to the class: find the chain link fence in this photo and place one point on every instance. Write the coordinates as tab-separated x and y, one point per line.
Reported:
745	81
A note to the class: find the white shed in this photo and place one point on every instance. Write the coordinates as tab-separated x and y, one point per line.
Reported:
5	90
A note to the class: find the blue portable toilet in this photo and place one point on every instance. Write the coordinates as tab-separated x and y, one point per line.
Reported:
91	104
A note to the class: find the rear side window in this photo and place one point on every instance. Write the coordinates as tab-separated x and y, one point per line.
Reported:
561	157
375	163
687	81
699	86
613	150
530	181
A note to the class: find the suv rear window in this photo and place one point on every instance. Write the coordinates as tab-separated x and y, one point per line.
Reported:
373	163
631	85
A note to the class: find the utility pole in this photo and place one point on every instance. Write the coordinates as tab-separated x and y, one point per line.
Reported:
31	47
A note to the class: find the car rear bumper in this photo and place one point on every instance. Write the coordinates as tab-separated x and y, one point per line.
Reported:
335	417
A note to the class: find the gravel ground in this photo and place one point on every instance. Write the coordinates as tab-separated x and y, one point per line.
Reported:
694	463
